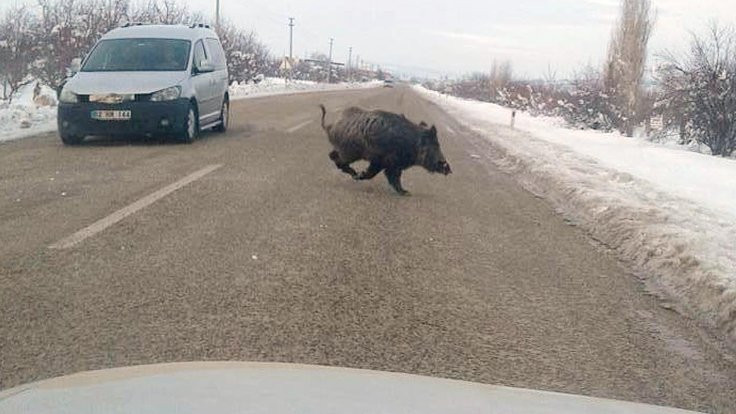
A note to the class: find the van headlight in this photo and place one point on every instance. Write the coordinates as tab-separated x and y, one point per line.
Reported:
168	94
68	96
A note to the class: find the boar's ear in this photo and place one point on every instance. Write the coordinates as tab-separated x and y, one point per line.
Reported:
423	124
429	136
433	134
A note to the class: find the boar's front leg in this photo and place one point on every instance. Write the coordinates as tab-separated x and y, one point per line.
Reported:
342	165
394	178
371	172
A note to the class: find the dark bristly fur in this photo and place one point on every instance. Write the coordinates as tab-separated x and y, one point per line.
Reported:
390	142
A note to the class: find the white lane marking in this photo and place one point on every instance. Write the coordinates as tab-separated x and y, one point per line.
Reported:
450	130
298	127
124	212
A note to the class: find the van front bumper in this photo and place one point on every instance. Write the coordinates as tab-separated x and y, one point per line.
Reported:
146	118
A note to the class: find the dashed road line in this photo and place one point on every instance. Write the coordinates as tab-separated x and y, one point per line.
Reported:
124	212
298	127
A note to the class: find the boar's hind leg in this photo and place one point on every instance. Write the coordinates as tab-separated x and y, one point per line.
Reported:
394	178
342	165
371	172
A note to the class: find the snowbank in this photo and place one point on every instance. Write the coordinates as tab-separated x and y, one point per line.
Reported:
669	213
28	113
31	114
278	86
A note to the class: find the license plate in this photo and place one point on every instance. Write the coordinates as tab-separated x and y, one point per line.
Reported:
111	115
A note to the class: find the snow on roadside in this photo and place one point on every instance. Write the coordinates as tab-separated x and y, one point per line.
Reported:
279	86
30	114
669	213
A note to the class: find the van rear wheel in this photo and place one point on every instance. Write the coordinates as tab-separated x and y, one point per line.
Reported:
191	126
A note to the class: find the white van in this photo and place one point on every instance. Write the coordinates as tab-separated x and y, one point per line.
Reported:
148	80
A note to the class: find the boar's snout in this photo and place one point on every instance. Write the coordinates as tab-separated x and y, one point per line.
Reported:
444	168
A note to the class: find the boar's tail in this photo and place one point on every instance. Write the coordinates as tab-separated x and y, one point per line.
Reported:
324	112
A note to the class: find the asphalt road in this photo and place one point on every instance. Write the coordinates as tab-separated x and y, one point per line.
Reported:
278	256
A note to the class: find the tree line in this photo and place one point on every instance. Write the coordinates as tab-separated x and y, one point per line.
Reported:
690	94
39	42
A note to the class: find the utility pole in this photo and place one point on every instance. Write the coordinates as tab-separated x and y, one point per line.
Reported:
291	50
350	63
217	15
329	63
291	37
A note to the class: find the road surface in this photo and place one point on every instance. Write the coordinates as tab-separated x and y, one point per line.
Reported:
252	246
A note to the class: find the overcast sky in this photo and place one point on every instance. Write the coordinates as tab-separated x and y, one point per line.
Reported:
461	36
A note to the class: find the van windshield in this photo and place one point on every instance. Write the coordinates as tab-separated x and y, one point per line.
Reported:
138	55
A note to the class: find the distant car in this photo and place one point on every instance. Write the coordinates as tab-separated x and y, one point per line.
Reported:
388	83
148	80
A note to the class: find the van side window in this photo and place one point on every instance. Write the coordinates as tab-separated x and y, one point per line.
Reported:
215	50
199	54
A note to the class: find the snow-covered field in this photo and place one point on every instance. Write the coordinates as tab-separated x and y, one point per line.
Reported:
26	116
668	212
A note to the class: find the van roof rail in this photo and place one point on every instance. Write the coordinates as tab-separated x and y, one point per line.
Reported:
129	24
200	25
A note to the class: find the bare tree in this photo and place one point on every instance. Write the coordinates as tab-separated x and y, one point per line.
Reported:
62	39
69	28
247	57
501	74
315	68
550	76
46	39
163	12
627	56
473	86
699	90
18	30
586	105
673	103
98	17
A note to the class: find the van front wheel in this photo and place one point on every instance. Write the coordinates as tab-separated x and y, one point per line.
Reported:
71	139
191	126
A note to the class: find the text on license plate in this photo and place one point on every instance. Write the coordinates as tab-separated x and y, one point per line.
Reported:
111	115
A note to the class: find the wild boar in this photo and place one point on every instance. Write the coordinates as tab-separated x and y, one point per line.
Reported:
389	141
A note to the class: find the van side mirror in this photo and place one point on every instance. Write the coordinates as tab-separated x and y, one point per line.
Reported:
75	66
205	66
